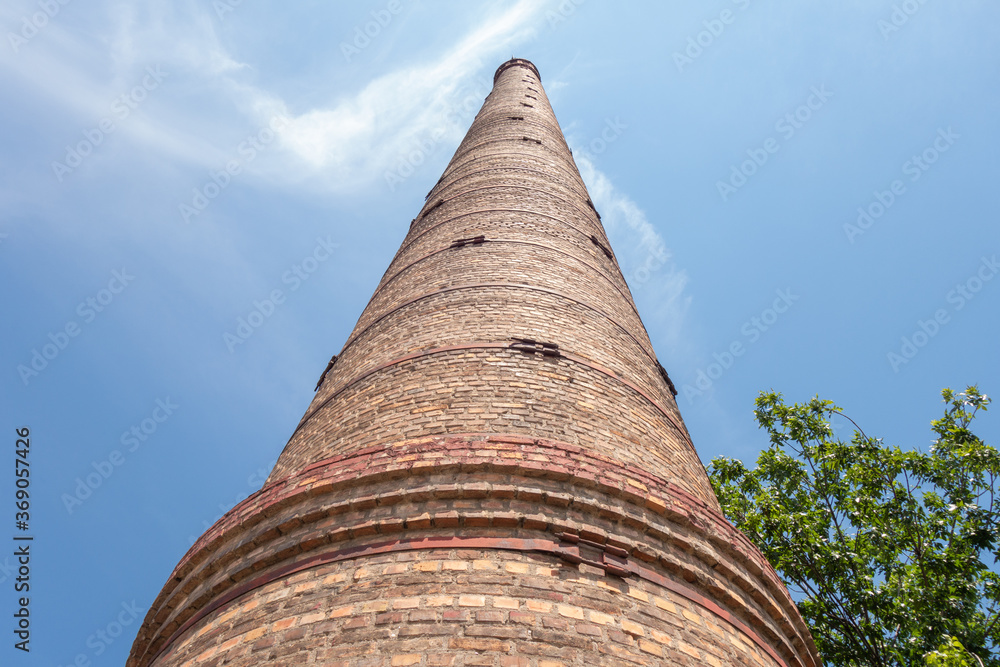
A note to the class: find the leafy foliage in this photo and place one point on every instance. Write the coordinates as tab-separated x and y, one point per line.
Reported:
951	654
889	551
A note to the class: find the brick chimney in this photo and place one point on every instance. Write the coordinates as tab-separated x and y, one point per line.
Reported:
493	470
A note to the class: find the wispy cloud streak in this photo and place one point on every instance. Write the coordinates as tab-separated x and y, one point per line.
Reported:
644	257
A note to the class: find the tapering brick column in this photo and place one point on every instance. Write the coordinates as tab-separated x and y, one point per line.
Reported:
494	470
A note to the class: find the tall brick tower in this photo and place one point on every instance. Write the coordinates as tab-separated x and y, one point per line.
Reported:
493	470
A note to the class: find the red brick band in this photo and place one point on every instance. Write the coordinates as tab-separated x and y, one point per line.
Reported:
498	346
377	461
549	547
559	461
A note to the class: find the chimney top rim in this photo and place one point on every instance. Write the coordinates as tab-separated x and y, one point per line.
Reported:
515	62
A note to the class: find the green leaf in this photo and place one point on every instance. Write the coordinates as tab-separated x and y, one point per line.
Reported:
890	550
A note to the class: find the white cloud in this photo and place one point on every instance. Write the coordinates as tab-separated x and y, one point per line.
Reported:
342	145
642	254
361	137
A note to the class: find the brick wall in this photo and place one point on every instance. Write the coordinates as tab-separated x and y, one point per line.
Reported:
494	472
611	536
464	607
545	271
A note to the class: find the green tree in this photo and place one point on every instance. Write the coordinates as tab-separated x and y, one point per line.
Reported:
888	551
952	654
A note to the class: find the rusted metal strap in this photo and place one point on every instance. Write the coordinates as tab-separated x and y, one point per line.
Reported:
438	203
614	560
322	377
532	346
604	248
472	240
666	377
594	208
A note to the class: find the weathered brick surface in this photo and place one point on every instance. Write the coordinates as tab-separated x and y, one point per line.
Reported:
450	500
545	272
402	497
562	616
502	391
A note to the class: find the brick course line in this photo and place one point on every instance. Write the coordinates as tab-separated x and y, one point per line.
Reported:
385	281
362	463
412	238
473	160
442	184
564	449
439	458
499	346
299	487
505	167
603	274
473	286
501	117
292	495
499	121
469	149
548	547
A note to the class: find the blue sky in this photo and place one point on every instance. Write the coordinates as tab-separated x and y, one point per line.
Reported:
809	185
